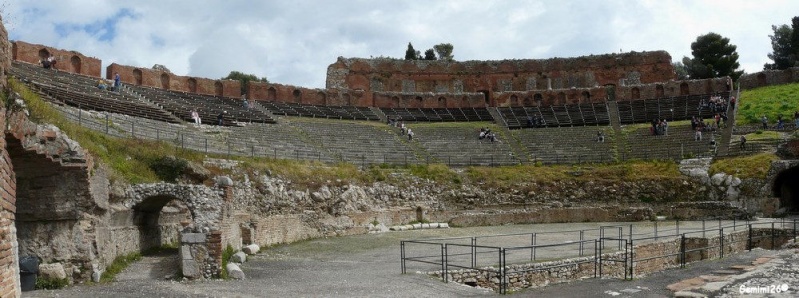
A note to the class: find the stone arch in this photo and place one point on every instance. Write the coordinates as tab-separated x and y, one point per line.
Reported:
586	96
297	95
659	92
610	90
786	188
192	84
75	63
137	77
219	89
561	99
528	101
321	98
159	220
165	81
514	100
271	94
684	89
419	214
442	102
44	53
465	102
203	203
395	101
347	98
635	93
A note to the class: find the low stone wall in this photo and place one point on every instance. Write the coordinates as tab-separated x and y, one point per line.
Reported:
647	258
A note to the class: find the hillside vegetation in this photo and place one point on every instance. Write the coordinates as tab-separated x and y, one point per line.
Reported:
772	101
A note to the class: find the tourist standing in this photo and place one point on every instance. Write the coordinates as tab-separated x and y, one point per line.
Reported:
117	82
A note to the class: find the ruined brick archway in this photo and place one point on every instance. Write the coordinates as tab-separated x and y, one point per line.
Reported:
75	63
786	188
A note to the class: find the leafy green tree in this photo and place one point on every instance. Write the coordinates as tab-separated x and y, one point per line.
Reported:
444	51
410	53
244	79
795	37
714	57
782	55
681	70
430	54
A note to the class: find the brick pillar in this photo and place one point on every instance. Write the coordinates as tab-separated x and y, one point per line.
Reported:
9	258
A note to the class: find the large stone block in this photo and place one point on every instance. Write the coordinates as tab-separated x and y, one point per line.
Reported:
251	249
234	271
192	238
190	269
52	271
239	257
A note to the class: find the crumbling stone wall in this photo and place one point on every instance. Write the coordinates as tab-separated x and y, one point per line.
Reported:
69	61
769	78
165	80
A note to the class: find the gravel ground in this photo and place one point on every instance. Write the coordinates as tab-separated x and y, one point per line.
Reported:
369	266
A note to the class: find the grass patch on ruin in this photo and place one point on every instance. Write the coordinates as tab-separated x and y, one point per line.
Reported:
771	101
752	166
119	264
226	255
768	135
512	176
51	283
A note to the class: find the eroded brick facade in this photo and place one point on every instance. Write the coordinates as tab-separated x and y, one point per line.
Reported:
69	61
492	77
141	76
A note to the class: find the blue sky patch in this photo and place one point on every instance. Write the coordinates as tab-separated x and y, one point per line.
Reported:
103	30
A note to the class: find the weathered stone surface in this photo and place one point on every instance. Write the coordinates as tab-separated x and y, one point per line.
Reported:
239	257
190	269
234	271
192	238
251	249
185	252
52	271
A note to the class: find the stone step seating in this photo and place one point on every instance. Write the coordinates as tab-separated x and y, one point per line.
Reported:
255	139
670	108
356	142
678	143
208	107
567	144
63	88
317	111
460	145
437	114
556	116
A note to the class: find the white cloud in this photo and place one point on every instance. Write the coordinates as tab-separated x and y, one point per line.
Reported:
293	42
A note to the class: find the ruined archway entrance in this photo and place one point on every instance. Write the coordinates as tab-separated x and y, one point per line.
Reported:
159	220
51	205
786	187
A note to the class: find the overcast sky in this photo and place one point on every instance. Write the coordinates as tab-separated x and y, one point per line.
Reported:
293	42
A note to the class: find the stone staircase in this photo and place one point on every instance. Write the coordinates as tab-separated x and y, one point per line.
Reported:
458	145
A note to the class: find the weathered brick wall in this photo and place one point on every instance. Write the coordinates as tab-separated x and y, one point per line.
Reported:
69	61
294	94
9	269
374	75
769	77
160	79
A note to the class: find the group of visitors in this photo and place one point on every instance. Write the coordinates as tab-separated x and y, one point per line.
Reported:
487	134
405	131
105	85
660	127
48	62
535	121
698	126
716	103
